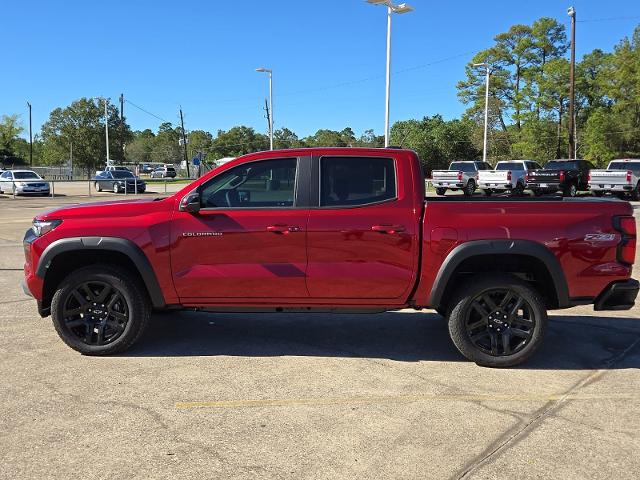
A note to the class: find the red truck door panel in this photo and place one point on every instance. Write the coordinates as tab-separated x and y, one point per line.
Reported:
362	235
249	238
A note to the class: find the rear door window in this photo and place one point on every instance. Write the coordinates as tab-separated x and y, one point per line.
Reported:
354	181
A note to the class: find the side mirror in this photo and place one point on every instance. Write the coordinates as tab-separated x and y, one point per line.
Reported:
190	203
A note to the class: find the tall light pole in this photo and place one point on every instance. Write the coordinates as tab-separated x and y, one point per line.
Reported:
486	108
572	97
391	9
268	70
106	126
30	138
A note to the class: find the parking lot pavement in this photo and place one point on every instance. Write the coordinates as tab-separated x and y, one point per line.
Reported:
313	396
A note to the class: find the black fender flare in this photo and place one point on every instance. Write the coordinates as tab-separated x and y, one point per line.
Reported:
476	248
120	245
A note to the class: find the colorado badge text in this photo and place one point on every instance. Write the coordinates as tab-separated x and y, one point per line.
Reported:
202	234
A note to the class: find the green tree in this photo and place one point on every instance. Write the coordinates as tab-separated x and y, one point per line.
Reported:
82	123
10	130
238	141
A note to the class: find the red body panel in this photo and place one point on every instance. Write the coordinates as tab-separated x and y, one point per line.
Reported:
335	257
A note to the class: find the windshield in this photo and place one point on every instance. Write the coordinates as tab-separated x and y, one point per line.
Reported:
509	166
463	166
561	165
121	174
635	166
25	175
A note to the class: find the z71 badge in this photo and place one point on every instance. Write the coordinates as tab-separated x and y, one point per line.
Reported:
600	237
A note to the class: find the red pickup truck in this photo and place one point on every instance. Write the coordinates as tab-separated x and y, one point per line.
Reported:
330	230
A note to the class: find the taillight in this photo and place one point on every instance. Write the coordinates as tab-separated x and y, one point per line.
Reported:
526	178
589	177
629	174
561	176
460	176
509	175
627	246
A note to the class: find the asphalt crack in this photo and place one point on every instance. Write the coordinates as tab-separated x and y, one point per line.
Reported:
519	432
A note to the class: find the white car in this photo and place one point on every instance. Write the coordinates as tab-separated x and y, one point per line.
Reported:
17	182
621	177
509	175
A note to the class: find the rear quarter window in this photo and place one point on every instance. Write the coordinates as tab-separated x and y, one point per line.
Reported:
354	181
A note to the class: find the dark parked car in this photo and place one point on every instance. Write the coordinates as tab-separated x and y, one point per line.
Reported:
566	176
119	181
146	168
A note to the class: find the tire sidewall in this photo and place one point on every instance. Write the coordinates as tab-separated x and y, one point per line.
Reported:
129	291
463	301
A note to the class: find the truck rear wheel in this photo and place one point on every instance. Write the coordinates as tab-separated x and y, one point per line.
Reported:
635	193
597	193
470	188
570	191
100	310
497	320
441	191
487	192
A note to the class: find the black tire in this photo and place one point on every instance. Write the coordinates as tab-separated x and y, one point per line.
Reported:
441	191
570	191
470	188
537	192
475	327
635	193
597	193
519	190
114	295
487	192
98	186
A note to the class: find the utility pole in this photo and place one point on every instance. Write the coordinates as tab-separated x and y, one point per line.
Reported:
184	143
30	138
122	123
486	107
106	129
266	109
572	146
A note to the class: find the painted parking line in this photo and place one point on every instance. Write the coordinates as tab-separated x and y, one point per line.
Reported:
284	402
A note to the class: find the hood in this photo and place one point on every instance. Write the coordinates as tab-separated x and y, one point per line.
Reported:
108	209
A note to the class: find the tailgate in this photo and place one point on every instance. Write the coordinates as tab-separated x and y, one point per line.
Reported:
544	176
609	177
445	175
492	176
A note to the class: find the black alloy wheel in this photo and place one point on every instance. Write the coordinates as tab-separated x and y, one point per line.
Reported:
500	322
95	312
100	310
497	320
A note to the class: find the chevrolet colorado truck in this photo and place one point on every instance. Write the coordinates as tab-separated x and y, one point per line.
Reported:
508	176
460	176
330	230
621	177
566	176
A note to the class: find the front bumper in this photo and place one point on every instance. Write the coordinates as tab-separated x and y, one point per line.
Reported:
619	295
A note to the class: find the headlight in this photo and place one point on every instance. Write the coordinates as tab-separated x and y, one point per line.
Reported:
40	227
20	184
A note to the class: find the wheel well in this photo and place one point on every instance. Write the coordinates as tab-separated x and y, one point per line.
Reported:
66	262
530	269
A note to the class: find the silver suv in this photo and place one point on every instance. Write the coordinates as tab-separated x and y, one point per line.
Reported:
460	176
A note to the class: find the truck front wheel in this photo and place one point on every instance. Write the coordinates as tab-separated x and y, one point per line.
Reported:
497	320
441	191
100	310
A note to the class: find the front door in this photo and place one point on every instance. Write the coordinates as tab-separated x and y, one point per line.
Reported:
248	242
362	235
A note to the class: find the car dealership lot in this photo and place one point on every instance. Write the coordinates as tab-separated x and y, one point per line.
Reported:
310	396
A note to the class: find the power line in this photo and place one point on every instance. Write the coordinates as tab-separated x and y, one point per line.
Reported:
609	19
146	111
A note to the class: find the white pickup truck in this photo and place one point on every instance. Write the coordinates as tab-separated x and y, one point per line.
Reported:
509	175
622	177
461	175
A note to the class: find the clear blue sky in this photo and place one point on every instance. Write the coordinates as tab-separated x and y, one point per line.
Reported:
327	56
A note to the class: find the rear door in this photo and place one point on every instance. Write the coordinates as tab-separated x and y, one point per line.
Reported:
248	241
362	238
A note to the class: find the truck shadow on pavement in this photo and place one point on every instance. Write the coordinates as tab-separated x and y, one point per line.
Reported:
572	342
